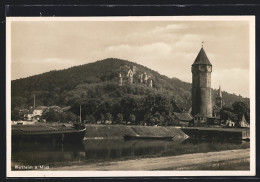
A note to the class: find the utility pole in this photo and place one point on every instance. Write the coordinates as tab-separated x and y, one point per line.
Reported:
34	101
80	113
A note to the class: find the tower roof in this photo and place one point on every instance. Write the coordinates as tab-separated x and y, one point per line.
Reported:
202	58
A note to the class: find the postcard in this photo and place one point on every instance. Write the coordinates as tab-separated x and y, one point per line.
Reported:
130	96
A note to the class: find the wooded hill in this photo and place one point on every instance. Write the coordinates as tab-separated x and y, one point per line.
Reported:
96	84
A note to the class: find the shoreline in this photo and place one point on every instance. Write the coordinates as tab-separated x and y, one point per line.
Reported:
182	162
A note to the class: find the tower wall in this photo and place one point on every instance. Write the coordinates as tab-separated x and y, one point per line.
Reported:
201	90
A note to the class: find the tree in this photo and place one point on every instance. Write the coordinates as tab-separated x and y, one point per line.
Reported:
119	118
72	117
19	102
148	118
102	118
63	117
90	119
154	121
15	116
87	119
51	116
132	118
227	113
130	105
241	108
105	107
108	116
160	118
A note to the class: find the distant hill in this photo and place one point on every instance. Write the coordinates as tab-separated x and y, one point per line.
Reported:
99	80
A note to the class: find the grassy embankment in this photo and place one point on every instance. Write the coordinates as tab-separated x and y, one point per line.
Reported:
238	164
224	160
234	164
118	131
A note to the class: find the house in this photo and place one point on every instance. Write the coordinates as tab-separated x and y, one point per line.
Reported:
213	121
200	119
108	122
243	123
230	123
37	112
33	114
183	118
28	116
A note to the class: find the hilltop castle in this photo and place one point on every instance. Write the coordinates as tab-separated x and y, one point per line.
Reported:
142	78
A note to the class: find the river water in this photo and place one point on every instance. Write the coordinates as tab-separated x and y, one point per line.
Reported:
102	150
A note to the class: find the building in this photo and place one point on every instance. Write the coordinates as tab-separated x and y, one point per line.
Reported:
140	78
151	83
120	80
243	123
182	118
200	119
130	75
33	114
145	77
28	116
218	104
230	123
201	86
213	121
219	99
37	112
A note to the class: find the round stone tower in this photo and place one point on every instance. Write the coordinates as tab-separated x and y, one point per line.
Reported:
201	85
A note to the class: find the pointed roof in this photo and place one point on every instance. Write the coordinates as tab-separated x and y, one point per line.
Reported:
202	58
243	119
129	73
183	116
243	122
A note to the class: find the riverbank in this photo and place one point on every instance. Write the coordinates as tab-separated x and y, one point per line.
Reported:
235	164
118	131
198	161
217	133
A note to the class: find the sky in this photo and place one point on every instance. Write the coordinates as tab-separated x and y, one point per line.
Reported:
168	47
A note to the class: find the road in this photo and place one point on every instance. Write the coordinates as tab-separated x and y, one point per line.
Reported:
149	164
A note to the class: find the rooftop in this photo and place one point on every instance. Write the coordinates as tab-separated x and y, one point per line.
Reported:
183	116
202	58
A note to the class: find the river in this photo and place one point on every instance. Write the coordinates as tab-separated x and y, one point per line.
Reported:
102	150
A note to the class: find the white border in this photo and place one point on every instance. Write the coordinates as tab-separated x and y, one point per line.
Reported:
9	173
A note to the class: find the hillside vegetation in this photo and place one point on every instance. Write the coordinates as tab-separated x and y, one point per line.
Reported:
95	87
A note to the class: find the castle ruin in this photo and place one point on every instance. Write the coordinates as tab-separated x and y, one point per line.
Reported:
142	78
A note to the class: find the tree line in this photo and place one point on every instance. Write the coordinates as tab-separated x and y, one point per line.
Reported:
150	110
236	112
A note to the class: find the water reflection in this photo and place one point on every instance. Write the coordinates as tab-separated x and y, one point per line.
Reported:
213	141
91	151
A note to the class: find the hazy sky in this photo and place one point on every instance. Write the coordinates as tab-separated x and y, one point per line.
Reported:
169	47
